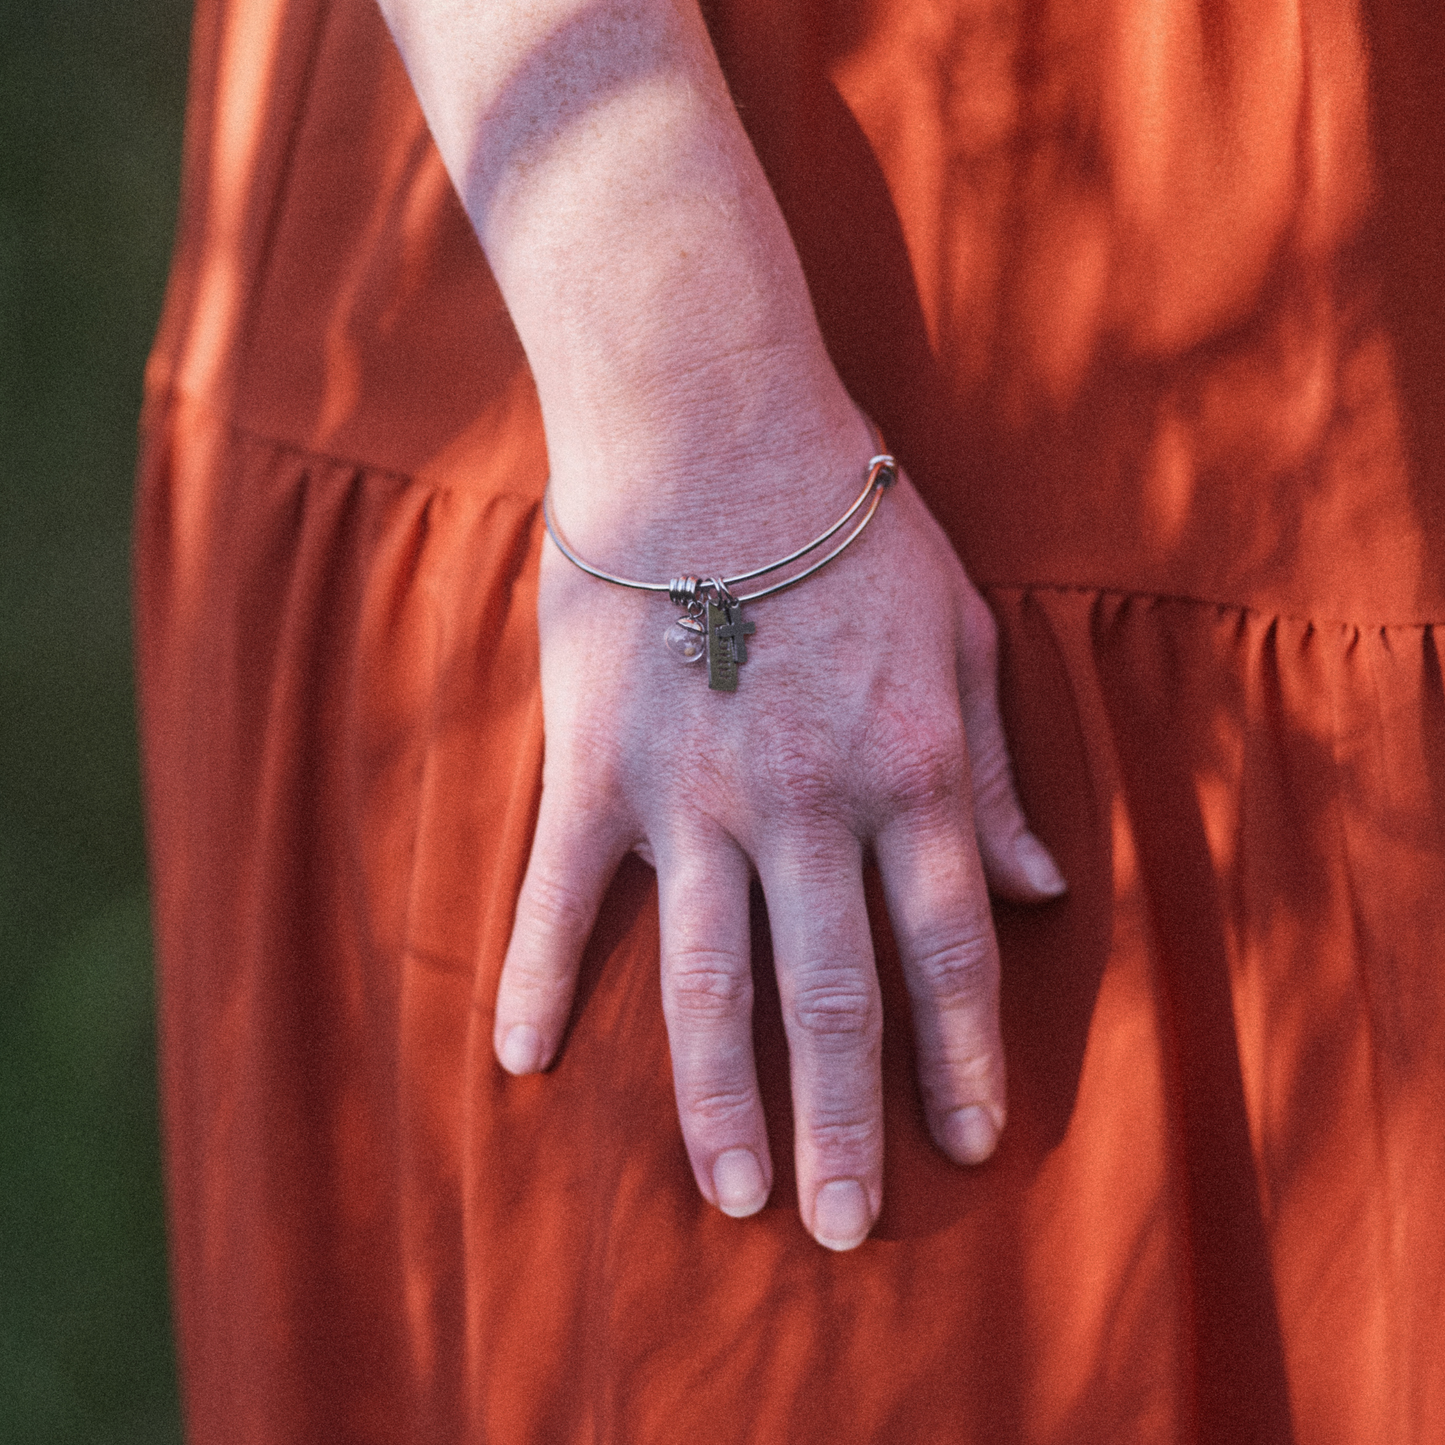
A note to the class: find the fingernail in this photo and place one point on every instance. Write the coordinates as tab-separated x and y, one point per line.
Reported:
1040	869
970	1134
521	1050
840	1214
737	1177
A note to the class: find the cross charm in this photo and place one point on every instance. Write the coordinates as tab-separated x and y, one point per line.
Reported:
737	630
727	644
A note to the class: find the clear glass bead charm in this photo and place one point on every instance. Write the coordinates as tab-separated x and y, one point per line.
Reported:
685	640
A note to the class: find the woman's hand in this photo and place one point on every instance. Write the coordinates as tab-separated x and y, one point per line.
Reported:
865	716
696	425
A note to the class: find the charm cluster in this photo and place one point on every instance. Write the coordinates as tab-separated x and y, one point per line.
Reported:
712	627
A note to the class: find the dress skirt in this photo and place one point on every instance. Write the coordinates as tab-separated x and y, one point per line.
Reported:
1148	296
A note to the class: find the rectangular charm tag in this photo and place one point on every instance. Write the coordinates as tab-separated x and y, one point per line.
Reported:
722	663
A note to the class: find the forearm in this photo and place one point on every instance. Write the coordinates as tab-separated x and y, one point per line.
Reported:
646	266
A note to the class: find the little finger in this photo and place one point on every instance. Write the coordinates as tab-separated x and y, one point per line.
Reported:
938	905
1016	864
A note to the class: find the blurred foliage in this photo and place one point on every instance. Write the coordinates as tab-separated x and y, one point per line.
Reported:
91	96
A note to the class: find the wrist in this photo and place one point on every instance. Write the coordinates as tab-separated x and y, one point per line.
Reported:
712	496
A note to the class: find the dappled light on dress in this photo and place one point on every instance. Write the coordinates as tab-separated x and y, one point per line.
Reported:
1148	299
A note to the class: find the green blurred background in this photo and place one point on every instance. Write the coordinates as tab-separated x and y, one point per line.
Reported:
91	95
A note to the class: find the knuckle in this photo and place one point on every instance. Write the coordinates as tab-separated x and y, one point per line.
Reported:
960	973
836	1009
800	765
996	808
718	1109
952	1079
551	904
989	759
923	766
708	986
530	989
848	1138
526	973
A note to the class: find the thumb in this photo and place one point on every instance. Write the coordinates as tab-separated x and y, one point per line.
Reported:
574	856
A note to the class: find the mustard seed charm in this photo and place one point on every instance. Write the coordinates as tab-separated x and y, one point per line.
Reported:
686	640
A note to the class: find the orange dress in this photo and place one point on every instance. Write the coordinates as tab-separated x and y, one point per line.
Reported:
1149	297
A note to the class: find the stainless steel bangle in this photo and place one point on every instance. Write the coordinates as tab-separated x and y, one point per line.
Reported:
713	625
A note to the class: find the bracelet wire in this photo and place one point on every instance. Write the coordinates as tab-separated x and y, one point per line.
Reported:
882	473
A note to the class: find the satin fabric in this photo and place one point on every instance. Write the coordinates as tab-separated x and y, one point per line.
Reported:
1147	296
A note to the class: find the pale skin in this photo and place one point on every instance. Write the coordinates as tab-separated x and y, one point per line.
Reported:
695	424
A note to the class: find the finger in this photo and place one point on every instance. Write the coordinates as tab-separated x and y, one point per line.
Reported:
573	860
833	1017
938	905
1015	863
707	1000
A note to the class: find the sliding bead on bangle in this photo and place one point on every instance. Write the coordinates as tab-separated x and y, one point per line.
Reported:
712	625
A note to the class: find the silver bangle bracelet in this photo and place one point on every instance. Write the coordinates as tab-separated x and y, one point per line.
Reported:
712	624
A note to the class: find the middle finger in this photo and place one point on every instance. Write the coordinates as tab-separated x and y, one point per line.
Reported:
833	1015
